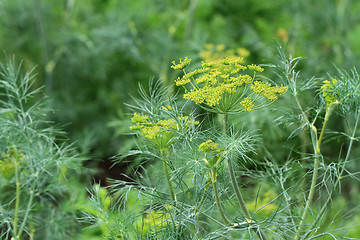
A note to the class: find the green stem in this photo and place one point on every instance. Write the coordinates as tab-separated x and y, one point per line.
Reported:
237	190
232	175
203	197
17	200
301	109
167	175
225	122
323	209
32	193
216	194
317	146
286	197
238	194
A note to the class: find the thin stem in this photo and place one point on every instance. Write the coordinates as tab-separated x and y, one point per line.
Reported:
286	197
237	190
203	197
216	194
311	194
317	147
301	109
167	175
232	175
238	194
17	200
32	193
323	209
225	123
11	231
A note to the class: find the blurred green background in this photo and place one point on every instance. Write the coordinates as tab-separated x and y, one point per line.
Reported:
91	55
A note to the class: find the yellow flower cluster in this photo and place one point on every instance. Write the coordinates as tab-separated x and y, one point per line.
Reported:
247	104
221	86
327	88
7	169
137	118
216	78
255	68
152	130
209	146
215	153
183	63
162	131
266	90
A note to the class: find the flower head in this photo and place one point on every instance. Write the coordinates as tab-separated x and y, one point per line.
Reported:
183	63
209	146
163	132
222	86
212	149
328	94
267	91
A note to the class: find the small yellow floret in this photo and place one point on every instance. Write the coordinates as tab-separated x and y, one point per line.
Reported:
247	104
255	68
183	63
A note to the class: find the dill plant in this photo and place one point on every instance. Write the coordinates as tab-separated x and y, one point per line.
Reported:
35	193
339	95
193	160
189	182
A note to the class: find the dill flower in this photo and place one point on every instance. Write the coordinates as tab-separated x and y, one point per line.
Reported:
328	94
247	104
162	132
212	149
267	91
209	146
139	119
222	86
7	167
255	68
183	63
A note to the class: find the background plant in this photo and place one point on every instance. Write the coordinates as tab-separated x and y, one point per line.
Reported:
38	199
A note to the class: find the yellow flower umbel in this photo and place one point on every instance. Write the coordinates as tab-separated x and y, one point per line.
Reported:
210	148
163	132
328	94
221	86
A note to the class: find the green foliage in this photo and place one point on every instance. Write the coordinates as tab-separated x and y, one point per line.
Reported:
86	53
36	199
